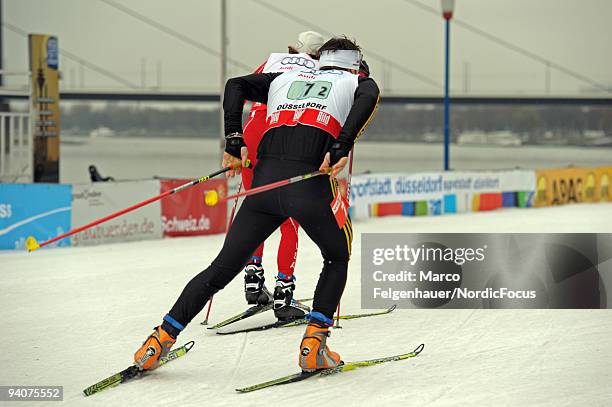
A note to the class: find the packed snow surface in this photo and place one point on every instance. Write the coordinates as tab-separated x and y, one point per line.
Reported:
74	316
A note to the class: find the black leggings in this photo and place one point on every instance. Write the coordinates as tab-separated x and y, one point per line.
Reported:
308	202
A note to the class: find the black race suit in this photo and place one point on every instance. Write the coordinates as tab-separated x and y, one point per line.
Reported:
284	152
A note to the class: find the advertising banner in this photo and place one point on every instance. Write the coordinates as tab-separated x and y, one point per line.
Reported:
436	193
38	210
93	201
186	214
44	65
565	185
486	270
603	176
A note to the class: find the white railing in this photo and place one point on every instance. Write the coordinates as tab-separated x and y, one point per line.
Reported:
16	159
17	138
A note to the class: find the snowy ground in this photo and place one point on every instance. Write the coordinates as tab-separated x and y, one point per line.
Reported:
73	316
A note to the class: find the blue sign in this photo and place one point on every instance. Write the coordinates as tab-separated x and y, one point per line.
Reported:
39	210
450	203
435	206
52	53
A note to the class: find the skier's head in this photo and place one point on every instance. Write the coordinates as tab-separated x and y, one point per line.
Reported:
340	53
308	42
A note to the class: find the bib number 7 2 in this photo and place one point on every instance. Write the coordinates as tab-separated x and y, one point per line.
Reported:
303	90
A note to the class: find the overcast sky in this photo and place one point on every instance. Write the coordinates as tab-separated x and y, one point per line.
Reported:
576	34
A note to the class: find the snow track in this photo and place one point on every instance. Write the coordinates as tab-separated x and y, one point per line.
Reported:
74	316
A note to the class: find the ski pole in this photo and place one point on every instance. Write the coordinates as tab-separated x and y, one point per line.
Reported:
32	244
231	219
212	197
349	176
210	300
348	199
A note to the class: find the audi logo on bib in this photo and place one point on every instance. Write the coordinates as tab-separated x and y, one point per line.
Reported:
300	61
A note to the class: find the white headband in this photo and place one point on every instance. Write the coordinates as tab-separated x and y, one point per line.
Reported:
343	58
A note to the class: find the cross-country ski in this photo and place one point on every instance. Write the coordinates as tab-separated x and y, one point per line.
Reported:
302	321
133	371
343	367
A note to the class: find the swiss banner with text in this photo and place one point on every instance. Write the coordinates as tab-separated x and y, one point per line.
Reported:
186	214
486	270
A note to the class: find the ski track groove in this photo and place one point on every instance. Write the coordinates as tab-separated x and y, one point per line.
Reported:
230	381
467	319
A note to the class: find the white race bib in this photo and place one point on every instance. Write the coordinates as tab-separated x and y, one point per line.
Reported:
311	97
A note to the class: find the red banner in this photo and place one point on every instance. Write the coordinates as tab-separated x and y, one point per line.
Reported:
186	214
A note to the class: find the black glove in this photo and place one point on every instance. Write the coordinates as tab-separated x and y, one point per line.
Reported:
339	149
233	143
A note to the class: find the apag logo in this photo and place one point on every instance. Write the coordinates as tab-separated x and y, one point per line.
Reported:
6	211
566	190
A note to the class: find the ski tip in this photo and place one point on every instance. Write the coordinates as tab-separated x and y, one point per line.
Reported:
419	349
189	345
393	307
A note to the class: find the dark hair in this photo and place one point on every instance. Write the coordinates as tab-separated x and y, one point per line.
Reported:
339	43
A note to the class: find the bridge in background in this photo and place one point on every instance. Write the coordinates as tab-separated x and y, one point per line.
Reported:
155	96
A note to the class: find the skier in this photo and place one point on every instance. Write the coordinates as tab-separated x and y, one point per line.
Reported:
301	55
314	117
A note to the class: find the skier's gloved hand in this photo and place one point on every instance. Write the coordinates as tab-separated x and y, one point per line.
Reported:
233	144
235	154
338	150
336	158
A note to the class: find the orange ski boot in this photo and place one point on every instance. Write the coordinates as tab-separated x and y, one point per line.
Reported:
314	353
157	345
